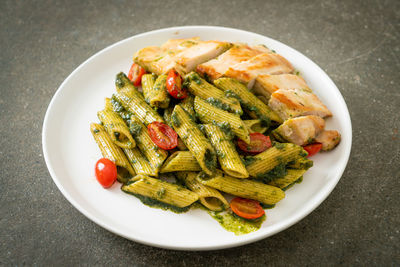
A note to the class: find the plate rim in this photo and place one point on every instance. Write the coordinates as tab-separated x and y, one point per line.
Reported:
317	200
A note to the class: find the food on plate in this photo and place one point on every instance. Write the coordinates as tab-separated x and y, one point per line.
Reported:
212	120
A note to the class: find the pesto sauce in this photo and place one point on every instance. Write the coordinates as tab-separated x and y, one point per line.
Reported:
117	106
175	120
249	160
135	129
96	131
120	80
210	160
235	224
277	172
218	103
292	184
153	203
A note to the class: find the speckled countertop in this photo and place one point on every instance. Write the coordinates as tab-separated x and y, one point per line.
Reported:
355	42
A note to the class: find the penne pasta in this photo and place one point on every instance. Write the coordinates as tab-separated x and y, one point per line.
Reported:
155	90
133	101
112	152
208	113
180	161
291	177
254	106
194	139
245	188
139	162
201	88
280	153
151	151
116	128
255	126
209	197
162	191
226	152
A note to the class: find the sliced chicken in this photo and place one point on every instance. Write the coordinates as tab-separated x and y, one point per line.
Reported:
297	102
177	45
188	59
301	130
266	63
146	57
329	139
215	68
267	84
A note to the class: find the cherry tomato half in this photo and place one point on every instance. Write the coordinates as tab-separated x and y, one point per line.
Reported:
258	144
174	85
135	74
247	208
162	135
312	149
106	172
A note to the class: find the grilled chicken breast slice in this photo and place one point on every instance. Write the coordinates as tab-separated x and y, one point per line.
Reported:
301	130
266	63
297	102
215	68
188	59
146	57
267	84
329	139
177	45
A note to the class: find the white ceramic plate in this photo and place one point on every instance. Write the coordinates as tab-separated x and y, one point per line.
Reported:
70	151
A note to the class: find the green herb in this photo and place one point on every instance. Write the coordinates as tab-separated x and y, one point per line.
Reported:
175	120
117	106
135	129
96	130
277	172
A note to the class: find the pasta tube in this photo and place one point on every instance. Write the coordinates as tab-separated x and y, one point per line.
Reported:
291	177
256	108
112	152
194	139
107	104
139	162
151	151
245	188
188	105
201	88
207	113
180	161
280	153
133	101
155	90
162	191
226	152
254	126
301	163
209	197
116	128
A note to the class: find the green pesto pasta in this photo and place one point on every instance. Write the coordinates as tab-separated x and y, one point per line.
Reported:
245	188
139	162
180	161
209	197
116	128
226	152
151	151
255	126
162	191
112	152
291	177
194	139
155	95
280	153
255	107
208	113
201	88
133	101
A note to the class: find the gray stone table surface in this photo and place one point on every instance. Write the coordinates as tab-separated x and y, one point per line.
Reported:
355	42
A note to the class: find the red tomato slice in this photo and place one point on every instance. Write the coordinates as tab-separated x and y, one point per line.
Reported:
247	208
312	149
162	135
135	74
106	172
174	85
258	144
